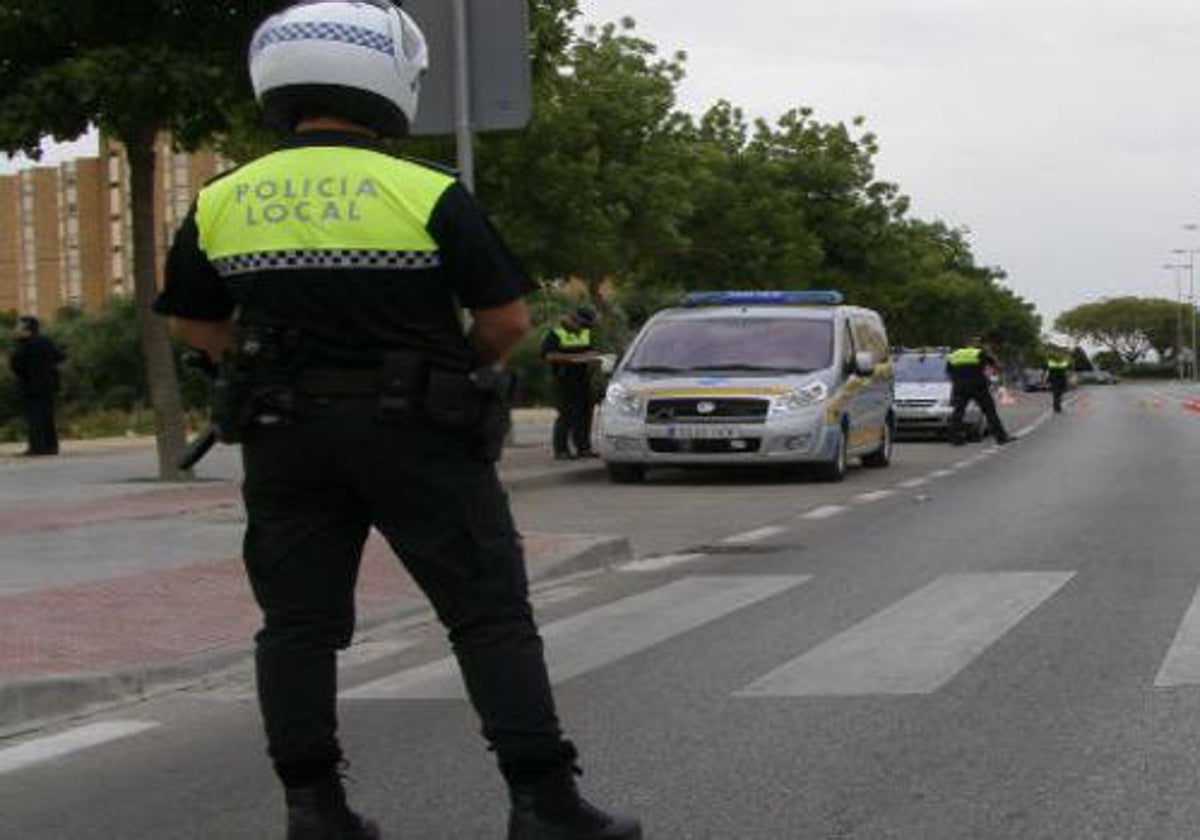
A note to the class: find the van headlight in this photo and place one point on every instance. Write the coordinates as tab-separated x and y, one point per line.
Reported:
623	401
807	396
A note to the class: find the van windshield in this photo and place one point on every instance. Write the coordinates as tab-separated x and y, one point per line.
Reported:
920	367
780	345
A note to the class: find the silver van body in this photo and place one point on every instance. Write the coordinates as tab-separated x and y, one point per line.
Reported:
752	383
923	390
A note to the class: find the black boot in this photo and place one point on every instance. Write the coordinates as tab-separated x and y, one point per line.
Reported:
320	812
550	808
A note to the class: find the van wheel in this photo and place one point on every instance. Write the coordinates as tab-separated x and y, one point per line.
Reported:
626	473
976	432
882	456
835	470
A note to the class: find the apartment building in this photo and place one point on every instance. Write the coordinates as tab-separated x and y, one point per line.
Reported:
66	232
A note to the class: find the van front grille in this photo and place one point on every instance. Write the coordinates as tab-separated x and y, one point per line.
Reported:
702	410
739	446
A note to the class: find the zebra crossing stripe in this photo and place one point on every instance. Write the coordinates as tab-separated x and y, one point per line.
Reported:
919	643
1182	663
824	512
64	743
754	536
601	636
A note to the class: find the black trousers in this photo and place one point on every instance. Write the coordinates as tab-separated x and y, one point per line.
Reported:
39	420
1057	388
962	394
312	491
574	420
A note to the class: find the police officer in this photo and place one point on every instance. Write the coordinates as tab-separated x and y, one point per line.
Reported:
34	362
569	351
967	368
325	276
1057	369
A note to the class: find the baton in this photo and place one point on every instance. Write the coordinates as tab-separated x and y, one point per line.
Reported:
198	448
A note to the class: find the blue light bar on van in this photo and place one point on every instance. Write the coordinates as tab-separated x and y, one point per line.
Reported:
824	297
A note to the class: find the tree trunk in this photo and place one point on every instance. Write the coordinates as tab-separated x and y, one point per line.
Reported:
170	426
595	289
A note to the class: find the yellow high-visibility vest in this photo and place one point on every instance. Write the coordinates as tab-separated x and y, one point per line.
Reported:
321	206
573	341
965	357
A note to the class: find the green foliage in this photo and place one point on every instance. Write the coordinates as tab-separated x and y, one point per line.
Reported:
168	64
1129	327
597	184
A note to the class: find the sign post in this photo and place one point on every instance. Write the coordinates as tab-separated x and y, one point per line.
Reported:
479	76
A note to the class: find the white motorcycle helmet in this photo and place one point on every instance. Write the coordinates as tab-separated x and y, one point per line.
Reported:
360	60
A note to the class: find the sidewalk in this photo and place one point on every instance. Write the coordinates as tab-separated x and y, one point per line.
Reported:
110	584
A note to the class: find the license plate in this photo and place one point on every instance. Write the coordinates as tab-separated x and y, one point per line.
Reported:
699	432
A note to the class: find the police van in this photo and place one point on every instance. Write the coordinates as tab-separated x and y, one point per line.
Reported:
751	378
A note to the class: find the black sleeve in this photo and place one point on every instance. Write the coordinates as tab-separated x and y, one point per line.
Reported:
550	343
478	266
192	288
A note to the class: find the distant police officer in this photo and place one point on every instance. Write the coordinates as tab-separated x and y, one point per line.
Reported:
967	368
569	351
34	362
324	276
1057	370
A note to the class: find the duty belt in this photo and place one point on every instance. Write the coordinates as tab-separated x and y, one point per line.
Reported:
339	382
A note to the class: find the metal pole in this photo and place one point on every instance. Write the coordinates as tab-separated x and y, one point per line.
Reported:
1192	311
462	96
1178	323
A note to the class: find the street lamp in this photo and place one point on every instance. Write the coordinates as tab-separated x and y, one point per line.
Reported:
1176	268
1192	227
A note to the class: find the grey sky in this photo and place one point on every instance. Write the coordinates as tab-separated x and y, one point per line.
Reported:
1064	133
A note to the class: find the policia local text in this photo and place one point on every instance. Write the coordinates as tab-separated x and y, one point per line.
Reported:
327	199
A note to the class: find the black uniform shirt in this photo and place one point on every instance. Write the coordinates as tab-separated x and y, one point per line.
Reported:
349	317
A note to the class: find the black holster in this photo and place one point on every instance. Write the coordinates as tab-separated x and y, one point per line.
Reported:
256	386
476	402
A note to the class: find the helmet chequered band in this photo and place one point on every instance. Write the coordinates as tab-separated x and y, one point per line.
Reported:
340	32
361	259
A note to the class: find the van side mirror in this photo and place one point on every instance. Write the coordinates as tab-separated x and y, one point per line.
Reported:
864	363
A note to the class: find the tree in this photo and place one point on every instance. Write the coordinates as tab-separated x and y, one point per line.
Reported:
1126	326
595	186
134	69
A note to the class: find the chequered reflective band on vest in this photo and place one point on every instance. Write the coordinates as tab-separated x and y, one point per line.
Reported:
321	207
285	260
316	31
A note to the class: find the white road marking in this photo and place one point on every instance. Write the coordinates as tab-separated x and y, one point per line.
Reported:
913	483
824	512
601	636
657	564
372	650
961	465
754	536
557	595
64	743
941	473
918	644
874	496
1181	666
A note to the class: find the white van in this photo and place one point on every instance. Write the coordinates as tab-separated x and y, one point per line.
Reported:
751	378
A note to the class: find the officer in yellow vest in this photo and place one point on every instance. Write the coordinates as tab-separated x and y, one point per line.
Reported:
569	351
325	276
967	368
1057	370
